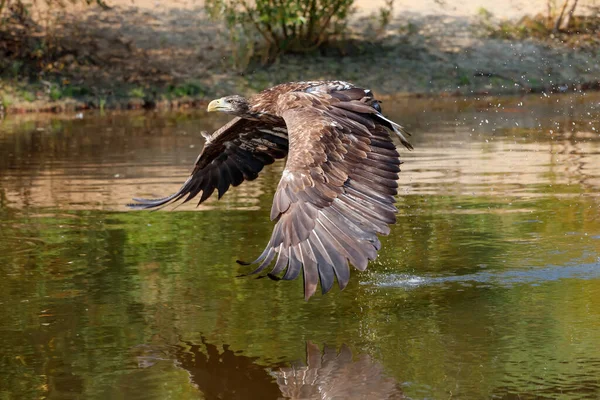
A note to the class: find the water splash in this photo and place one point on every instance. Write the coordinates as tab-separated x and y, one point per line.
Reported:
531	276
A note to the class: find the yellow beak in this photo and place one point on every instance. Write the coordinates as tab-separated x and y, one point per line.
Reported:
217	105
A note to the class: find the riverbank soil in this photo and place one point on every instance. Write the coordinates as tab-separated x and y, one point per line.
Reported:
149	54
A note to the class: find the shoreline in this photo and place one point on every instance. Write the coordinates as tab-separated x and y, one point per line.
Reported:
183	103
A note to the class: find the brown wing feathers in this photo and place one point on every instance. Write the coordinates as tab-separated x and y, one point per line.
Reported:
333	198
236	152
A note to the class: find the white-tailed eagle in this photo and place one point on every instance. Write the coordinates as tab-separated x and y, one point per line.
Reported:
337	190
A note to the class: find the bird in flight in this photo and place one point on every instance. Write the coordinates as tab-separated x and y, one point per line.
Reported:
337	190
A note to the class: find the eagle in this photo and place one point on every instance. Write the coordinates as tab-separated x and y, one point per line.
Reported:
337	191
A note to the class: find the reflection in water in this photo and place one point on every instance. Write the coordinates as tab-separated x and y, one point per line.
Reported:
336	375
225	374
509	146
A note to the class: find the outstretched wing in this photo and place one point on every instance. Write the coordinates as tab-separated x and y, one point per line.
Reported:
236	152
337	190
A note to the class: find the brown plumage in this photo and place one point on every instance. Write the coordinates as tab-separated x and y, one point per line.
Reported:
337	190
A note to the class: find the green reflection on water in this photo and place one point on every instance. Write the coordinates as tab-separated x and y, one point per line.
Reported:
83	290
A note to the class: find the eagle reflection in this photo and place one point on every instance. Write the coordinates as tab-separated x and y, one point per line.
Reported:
225	374
330	374
326	374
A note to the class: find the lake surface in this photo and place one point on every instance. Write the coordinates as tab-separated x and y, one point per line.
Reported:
487	287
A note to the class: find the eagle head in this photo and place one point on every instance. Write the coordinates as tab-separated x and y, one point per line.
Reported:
234	105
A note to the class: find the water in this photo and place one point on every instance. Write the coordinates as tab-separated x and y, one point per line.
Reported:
487	287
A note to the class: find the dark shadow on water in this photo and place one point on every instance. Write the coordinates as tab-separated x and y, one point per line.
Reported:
222	373
225	374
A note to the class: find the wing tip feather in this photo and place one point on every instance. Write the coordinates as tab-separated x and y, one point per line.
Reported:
145	204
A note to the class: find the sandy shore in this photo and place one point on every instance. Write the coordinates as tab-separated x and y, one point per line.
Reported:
145	53
464	8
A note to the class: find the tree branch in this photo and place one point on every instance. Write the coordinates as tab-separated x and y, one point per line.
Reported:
256	24
567	19
558	21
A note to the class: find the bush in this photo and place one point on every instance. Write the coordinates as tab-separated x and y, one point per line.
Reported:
283	26
28	44
22	8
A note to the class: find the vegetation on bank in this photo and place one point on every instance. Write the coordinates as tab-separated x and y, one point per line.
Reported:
272	27
46	66
559	24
